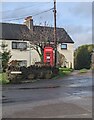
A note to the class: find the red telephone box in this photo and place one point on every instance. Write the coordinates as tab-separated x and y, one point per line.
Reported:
48	55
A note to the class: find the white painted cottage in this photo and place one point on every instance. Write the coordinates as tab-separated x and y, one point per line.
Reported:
19	36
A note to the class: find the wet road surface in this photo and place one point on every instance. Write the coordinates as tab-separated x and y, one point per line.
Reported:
55	98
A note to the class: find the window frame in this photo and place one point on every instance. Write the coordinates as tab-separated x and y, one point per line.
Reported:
16	44
65	48
22	63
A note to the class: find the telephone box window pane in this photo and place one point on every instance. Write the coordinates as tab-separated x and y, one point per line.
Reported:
63	46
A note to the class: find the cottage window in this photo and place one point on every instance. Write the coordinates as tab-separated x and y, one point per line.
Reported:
63	46
19	45
14	45
22	63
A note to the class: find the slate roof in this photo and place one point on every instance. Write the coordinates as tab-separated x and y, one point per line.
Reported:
12	31
48	32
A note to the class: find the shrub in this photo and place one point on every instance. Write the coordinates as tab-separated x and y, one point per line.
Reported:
42	72
82	57
13	66
48	74
31	76
32	72
3	78
24	72
83	71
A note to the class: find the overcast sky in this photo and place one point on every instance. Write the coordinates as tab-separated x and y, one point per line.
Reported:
74	17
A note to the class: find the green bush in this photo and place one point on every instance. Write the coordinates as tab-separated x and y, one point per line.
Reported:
32	72
3	78
42	72
82	57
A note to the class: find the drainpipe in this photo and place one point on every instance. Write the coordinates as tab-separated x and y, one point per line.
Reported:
29	54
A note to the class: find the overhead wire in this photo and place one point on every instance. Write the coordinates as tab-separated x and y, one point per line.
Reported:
28	15
21	8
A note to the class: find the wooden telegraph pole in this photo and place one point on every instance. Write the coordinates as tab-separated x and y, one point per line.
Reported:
55	36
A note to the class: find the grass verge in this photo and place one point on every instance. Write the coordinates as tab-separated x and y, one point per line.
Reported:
83	71
3	78
64	71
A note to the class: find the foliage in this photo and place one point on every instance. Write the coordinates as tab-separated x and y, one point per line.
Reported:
13	66
3	46
40	39
40	72
61	59
65	71
3	78
32	72
5	59
82	57
6	55
83	71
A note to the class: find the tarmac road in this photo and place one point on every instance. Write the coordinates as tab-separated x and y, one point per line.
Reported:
69	97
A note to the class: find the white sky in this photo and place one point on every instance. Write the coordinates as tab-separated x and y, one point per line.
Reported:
74	17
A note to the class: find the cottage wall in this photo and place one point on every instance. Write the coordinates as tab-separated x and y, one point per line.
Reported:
68	53
29	55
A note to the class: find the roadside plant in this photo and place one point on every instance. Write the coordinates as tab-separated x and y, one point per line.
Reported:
6	55
83	57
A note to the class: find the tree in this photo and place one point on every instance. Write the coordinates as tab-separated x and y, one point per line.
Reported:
82	56
6	55
39	38
61	60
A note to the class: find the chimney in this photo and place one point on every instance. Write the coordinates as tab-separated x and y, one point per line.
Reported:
29	22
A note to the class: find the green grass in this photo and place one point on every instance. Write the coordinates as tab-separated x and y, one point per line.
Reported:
64	71
3	78
83	71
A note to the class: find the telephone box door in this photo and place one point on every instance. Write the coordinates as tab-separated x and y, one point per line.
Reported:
48	55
